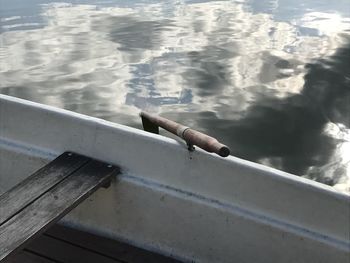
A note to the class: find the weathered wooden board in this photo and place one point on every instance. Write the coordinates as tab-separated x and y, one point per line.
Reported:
28	257
52	205
12	201
67	245
111	248
66	252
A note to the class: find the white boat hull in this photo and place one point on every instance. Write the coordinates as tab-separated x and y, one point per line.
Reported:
193	206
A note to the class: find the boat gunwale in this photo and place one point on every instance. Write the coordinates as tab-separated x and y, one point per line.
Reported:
175	145
253	195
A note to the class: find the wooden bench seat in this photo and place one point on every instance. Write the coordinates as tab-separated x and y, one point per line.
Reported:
37	202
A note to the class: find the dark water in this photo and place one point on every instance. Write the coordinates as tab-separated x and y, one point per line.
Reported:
269	78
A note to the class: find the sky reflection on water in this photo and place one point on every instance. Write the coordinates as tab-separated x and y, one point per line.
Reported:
269	78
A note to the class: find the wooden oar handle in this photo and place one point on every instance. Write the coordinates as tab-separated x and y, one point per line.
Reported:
191	136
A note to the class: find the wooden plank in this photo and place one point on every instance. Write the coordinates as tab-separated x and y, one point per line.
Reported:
32	187
28	257
106	246
65	252
53	205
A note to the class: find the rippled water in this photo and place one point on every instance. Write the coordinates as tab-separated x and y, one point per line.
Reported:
269	78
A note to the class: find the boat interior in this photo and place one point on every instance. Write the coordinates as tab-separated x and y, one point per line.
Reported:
66	245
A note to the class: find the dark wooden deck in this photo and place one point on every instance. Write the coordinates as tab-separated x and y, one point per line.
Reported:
66	245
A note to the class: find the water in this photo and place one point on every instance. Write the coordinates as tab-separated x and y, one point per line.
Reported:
271	79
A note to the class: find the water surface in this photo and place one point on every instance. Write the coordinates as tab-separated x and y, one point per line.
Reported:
269	78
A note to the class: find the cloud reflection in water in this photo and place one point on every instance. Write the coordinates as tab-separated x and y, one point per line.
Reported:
276	92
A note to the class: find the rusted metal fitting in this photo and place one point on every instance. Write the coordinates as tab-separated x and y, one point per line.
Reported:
192	137
181	131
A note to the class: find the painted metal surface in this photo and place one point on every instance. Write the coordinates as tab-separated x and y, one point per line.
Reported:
194	206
